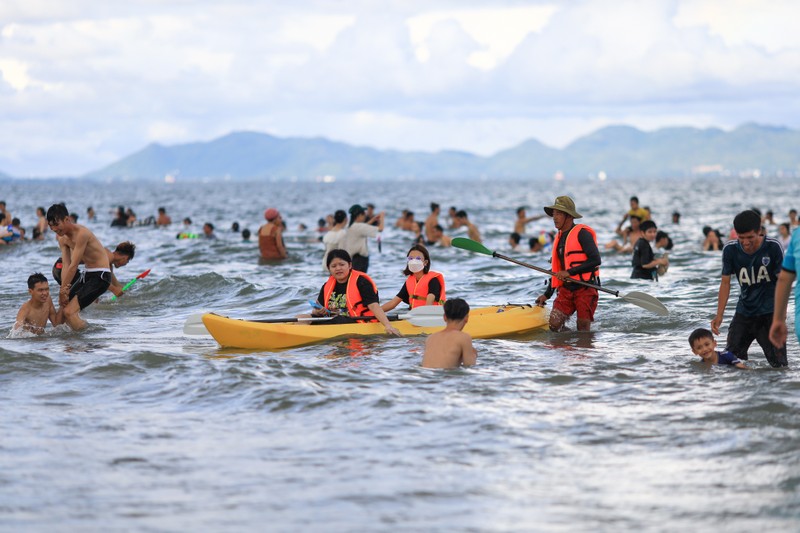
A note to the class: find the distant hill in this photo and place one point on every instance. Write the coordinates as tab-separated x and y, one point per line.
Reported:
618	151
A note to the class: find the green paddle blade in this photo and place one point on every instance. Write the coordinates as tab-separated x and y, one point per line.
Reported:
472	246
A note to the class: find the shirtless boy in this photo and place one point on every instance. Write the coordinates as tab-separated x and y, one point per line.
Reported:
451	347
34	314
120	257
78	245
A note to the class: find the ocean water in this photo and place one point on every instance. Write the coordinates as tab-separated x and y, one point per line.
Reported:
132	426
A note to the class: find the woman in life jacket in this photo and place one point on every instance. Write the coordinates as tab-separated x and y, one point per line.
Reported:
423	286
349	293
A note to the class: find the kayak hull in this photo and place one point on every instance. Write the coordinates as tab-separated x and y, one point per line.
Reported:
484	323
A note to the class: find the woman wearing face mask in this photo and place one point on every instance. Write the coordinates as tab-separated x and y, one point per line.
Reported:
350	293
423	286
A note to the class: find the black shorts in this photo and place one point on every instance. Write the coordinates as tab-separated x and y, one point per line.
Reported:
89	287
57	267
745	329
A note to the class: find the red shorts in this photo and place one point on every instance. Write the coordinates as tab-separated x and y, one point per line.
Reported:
583	300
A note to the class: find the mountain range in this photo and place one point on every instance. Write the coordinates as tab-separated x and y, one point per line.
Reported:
616	151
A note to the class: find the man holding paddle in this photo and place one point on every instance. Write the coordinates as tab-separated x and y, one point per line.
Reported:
575	257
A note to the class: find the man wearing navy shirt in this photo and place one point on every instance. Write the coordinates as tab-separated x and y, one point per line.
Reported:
755	261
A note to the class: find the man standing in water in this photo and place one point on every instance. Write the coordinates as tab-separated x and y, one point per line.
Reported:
575	256
755	260
78	245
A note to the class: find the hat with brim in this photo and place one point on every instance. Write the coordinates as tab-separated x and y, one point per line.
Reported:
563	204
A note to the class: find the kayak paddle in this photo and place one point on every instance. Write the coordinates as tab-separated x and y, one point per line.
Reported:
131	282
643	300
423	316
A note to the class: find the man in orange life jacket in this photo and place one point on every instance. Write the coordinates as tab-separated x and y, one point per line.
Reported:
575	256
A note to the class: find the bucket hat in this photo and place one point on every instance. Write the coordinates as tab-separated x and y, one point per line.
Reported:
564	204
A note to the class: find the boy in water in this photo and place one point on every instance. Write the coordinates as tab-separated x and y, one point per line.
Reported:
78	245
451	347
703	344
34	314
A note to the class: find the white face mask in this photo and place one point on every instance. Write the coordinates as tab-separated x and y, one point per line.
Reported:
415	264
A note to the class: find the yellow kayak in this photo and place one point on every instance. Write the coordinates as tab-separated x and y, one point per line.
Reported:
484	323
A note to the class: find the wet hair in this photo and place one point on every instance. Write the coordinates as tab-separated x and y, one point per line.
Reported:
516	237
162	211
747	221
664	235
187	220
461	214
35	278
15	221
126	248
637	217
646	225
74	216
700	333
210	226
340	254
339	216
434	206
40	210
520	210
425	255
438	227
533	242
245	233
235	227
56	213
36	233
634	199
456	309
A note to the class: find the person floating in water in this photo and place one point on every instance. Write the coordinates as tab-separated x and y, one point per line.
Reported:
703	345
78	245
451	347
34	314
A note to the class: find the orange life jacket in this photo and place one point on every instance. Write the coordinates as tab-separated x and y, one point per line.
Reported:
354	305
418	290
573	255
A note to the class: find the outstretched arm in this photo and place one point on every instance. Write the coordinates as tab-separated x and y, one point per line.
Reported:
383	319
722	302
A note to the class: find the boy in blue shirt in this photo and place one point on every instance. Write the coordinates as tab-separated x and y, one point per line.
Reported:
755	261
703	344
777	333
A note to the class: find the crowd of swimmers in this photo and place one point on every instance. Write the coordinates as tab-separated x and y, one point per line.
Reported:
345	234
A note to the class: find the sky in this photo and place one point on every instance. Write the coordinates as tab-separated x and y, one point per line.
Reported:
84	83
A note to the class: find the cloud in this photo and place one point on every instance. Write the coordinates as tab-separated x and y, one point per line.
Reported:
84	82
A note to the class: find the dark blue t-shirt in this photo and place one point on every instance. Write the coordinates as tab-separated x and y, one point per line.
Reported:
727	358
757	275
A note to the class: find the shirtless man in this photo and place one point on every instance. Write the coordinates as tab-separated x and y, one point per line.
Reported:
439	237
34	314
163	218
472	229
78	245
451	347
120	257
431	222
522	220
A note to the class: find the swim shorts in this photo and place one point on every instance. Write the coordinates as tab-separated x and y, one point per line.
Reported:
57	268
582	299
90	286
